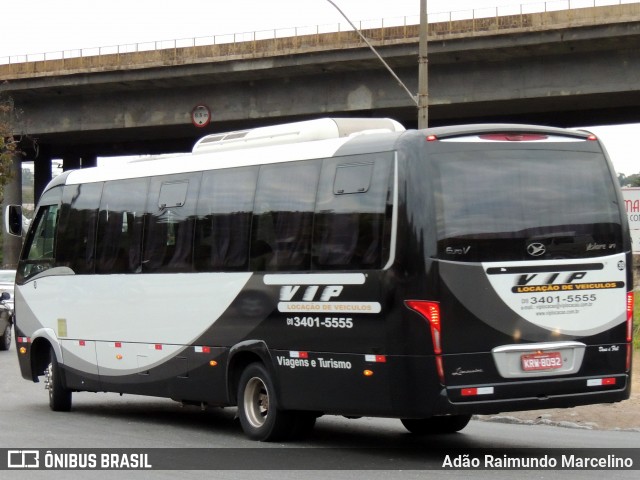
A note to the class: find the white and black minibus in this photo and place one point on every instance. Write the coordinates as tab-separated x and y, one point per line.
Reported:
336	266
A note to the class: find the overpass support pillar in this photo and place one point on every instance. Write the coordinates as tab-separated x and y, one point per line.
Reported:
12	196
41	173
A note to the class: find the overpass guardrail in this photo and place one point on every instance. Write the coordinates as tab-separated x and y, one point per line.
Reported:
538	15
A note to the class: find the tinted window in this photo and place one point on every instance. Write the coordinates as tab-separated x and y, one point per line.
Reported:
78	224
493	204
39	251
283	214
353	200
224	219
168	244
120	226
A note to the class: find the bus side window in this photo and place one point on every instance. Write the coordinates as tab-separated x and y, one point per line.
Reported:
351	213
283	216
77	229
169	229
43	240
223	221
40	244
119	245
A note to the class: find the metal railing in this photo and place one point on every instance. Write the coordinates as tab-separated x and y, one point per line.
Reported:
480	16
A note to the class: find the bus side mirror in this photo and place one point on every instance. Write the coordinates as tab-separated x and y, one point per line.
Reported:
13	220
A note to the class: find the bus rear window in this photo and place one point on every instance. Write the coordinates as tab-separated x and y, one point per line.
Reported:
493	205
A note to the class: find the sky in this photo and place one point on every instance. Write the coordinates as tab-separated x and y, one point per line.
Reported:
44	26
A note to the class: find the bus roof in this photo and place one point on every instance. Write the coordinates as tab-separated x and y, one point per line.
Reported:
320	138
282	143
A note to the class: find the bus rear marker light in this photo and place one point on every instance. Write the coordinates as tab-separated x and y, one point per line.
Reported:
368	373
599	382
472	392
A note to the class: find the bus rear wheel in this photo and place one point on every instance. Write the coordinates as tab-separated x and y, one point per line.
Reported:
59	395
260	417
436	425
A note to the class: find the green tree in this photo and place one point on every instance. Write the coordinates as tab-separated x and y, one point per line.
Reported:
630	181
8	144
633	180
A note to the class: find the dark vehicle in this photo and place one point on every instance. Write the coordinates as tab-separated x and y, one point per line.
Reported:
338	266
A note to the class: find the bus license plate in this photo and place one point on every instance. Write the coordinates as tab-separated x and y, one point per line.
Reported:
541	361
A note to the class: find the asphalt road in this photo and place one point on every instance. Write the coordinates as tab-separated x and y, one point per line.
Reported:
339	448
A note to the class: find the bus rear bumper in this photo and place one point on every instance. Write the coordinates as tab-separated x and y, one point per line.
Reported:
536	395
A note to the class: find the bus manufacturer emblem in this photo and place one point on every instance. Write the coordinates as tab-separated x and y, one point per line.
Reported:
536	249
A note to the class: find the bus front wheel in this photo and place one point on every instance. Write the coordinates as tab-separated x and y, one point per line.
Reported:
260	417
436	425
59	395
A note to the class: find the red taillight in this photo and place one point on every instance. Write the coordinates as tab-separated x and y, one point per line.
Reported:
592	137
431	138
430	311
513	137
629	316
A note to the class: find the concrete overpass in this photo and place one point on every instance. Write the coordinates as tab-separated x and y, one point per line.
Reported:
567	68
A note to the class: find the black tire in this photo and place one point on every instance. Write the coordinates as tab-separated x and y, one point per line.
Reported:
5	338
59	394
258	410
436	425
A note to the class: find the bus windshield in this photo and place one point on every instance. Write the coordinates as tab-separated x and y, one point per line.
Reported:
493	205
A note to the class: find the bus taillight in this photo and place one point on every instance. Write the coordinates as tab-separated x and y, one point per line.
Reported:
629	316
431	312
513	137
